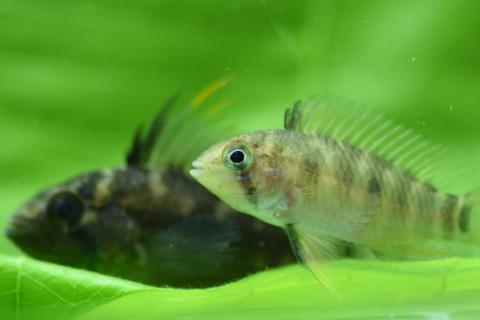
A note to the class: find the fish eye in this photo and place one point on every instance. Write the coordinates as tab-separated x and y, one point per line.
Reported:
238	158
65	207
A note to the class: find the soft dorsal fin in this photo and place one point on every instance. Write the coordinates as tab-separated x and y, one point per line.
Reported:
362	128
182	130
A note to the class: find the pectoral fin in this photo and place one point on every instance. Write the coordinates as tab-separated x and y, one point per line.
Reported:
198	246
312	250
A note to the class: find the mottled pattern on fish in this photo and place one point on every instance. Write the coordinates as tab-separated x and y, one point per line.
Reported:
353	186
128	209
149	221
339	174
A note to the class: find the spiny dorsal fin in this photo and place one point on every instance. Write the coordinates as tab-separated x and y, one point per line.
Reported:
178	134
362	128
142	145
292	116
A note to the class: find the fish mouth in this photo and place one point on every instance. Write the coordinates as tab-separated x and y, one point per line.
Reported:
19	226
196	170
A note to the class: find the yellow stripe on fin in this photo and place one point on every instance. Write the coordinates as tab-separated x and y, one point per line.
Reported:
192	127
218	107
210	90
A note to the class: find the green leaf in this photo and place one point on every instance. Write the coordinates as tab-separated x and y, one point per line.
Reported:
371	289
29	289
368	289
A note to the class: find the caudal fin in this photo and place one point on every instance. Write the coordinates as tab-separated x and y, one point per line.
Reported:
469	216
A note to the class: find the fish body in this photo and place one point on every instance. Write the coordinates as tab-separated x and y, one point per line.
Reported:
148	221
157	227
321	183
322	189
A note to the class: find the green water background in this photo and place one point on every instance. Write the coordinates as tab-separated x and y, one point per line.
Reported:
77	77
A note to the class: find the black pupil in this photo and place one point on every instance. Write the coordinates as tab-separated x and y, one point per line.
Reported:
237	156
66	206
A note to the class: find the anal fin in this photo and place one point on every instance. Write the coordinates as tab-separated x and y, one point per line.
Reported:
431	249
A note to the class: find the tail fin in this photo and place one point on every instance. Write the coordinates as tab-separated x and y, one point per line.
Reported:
469	216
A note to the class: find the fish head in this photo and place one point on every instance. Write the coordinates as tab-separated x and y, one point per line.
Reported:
56	224
244	172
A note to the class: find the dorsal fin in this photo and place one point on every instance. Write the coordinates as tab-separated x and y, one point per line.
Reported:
178	134
142	145
362	128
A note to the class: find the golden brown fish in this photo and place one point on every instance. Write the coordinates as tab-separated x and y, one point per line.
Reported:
336	174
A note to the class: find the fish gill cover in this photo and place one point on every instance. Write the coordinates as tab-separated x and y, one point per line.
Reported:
77	78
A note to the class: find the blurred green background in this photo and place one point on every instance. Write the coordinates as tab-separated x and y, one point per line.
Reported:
77	77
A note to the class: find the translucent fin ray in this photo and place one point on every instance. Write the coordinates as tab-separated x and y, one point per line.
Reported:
312	250
179	134
362	128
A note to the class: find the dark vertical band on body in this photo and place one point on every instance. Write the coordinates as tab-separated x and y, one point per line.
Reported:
448	210
247	185
89	185
464	218
374	187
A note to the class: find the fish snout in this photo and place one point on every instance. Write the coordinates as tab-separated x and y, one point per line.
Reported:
19	226
197	169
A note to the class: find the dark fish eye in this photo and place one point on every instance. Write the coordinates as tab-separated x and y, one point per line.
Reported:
237	156
65	207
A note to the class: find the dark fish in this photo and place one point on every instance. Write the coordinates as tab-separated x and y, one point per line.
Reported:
149	221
